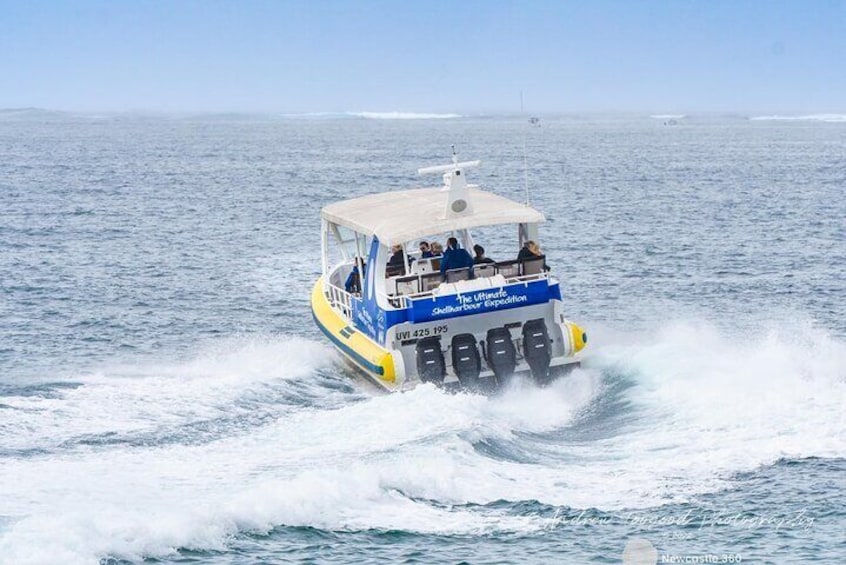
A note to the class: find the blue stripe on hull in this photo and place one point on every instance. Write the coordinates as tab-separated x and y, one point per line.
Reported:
347	350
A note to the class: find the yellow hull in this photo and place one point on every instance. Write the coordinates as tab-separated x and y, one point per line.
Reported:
373	360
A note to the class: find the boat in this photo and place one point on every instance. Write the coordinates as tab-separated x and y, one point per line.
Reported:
400	319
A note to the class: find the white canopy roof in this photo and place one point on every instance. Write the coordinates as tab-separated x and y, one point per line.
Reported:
404	215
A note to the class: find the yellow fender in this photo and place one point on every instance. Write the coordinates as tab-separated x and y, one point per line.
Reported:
578	337
366	354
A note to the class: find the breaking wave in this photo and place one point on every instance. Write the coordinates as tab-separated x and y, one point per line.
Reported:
251	435
403	115
372	115
831	118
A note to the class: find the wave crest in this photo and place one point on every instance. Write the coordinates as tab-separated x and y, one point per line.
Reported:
830	118
403	115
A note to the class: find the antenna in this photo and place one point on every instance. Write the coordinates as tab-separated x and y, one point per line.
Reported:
448	168
458	201
455	167
525	156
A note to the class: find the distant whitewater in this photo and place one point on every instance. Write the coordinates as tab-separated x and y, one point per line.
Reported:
834	118
403	116
376	115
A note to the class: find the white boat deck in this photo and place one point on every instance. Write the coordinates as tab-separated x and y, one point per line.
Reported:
400	290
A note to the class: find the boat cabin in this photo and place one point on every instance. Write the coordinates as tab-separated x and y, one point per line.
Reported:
360	236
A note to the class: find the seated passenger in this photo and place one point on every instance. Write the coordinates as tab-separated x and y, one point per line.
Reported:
455	257
396	256
480	255
353	282
437	249
531	251
395	264
425	250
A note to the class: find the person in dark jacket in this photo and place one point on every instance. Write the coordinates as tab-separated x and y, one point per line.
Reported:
531	250
395	263
353	282
480	255
455	257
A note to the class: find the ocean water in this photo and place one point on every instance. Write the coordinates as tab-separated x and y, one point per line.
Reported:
165	397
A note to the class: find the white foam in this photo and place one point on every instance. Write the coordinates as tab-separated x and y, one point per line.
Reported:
668	116
832	118
703	406
373	115
403	115
134	398
357	467
725	405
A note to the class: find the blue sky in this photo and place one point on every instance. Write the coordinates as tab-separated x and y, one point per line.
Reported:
424	56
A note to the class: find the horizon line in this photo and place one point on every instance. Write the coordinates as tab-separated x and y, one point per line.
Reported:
399	114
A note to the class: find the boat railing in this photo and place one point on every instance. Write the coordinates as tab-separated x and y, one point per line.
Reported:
339	299
402	300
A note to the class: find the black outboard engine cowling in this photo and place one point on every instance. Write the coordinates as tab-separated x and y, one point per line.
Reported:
430	361
537	349
502	356
466	361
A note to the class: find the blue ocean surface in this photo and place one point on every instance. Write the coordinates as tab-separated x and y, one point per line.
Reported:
166	398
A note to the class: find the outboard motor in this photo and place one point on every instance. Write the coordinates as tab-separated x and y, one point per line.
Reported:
466	361
430	360
537	349
502	356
